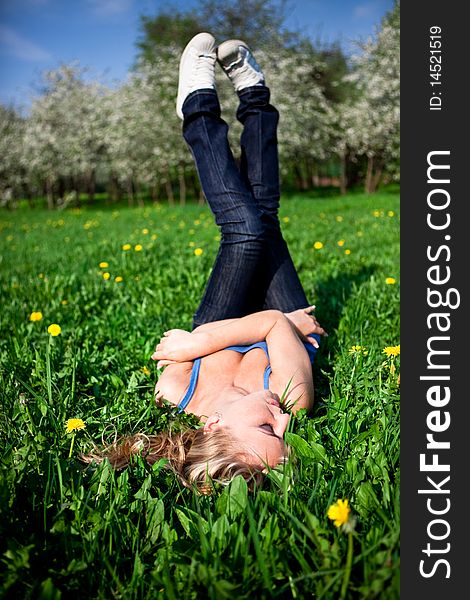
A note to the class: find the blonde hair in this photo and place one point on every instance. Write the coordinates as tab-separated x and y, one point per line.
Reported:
195	456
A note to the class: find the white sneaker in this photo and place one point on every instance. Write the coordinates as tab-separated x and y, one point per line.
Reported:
239	64
196	68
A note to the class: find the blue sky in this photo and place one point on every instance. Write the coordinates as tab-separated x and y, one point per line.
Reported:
100	35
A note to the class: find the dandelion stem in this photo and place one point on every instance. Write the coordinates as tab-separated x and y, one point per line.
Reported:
71	444
347	570
48	370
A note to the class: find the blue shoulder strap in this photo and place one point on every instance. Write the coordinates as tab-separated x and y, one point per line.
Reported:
245	349
192	385
267	373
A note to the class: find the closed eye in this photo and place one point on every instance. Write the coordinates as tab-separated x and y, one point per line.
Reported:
267	427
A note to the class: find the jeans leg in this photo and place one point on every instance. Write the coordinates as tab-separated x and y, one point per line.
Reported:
260	170
232	289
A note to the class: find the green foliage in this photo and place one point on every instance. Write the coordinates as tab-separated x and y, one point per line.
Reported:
260	23
71	531
167	29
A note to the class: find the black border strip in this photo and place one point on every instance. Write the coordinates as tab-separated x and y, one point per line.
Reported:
434	234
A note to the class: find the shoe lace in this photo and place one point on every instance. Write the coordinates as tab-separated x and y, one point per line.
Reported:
249	70
204	69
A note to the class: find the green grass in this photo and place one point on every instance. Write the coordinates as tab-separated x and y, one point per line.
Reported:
82	533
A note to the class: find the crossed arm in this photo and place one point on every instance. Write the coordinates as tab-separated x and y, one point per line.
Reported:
283	334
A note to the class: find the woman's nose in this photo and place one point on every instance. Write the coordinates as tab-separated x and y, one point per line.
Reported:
282	421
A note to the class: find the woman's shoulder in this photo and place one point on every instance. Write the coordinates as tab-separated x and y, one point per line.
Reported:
173	382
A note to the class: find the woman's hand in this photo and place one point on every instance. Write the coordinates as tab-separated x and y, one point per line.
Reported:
177	345
306	324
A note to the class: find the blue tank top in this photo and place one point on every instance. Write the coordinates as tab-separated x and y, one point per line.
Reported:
242	350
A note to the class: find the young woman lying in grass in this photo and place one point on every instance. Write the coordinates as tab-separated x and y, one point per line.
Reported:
254	337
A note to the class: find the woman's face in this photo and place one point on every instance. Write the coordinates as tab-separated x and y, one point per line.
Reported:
257	422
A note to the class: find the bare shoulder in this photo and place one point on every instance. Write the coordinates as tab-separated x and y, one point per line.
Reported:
173	382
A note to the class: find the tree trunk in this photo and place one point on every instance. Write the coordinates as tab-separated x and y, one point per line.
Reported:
304	175
169	188
202	199
91	186
343	180
195	186
377	177
61	189
154	190
370	170
138	195
130	192
50	194
182	185
298	175
30	198
115	190
315	176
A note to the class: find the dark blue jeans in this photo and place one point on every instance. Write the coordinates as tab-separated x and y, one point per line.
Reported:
253	269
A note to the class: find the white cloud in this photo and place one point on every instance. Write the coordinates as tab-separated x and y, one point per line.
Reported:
18	46
107	8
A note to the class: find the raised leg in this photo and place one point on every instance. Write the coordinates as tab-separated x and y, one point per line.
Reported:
260	172
233	289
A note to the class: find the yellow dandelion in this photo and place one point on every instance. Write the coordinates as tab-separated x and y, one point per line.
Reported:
340	243
118	279
390	280
391	213
358	350
197	222
376	213
74	425
198	251
106	276
104	265
138	247
126	247
41	275
347	251
359	233
64	302
339	512
392	350
339	218
286	219
54	329
318	245
145	370
191	244
145	231
154	236
35	316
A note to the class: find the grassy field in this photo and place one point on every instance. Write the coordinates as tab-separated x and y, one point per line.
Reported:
75	532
